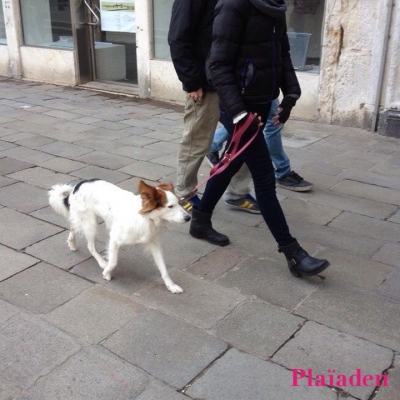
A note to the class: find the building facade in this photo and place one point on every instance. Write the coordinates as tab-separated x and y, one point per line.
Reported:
346	53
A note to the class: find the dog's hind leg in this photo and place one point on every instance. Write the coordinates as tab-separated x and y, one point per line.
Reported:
71	239
89	227
113	249
155	250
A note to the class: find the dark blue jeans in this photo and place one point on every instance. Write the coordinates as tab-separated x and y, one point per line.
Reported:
257	158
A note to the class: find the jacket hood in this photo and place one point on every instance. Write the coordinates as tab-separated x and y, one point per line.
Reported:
273	8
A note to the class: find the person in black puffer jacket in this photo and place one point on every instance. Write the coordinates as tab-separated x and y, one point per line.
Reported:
249	64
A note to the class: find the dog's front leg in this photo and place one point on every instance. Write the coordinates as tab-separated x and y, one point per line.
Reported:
113	249
71	239
155	250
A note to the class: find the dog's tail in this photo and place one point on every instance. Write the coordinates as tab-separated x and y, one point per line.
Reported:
59	199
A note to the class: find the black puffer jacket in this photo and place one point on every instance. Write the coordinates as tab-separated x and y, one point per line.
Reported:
189	38
249	60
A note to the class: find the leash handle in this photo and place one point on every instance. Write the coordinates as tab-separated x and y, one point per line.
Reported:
230	154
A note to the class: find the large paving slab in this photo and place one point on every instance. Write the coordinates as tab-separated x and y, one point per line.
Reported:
392	390
19	230
41	177
105	160
9	165
42	288
93	373
242	376
93	172
390	287
95	314
202	304
372	227
269	281
23	197
389	253
356	312
137	153
26	155
258	328
157	391
372	192
55	251
353	270
13	262
31	348
147	170
7	311
165	347
318	348
62	165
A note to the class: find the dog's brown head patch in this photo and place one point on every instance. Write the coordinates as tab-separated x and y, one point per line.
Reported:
152	198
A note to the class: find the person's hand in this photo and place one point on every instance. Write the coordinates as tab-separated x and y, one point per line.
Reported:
196	95
284	110
255	124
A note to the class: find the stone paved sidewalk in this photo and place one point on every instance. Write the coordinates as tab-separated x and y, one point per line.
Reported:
243	322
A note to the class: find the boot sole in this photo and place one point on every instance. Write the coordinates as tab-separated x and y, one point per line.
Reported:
297	274
222	244
296	188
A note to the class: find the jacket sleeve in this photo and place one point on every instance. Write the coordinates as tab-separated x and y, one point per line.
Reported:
228	28
181	39
289	83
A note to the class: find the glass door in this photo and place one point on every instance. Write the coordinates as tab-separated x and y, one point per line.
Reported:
106	41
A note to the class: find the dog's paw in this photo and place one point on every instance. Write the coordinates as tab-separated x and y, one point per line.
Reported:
72	246
174	288
107	276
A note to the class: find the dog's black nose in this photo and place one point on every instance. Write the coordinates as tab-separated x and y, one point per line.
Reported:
187	217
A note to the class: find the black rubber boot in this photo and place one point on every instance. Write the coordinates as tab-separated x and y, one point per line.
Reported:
300	262
201	228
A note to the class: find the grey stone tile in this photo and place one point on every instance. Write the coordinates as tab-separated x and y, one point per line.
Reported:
19	230
170	160
105	160
103	133
47	214
113	125
75	127
4	181
391	286
351	203
333	238
7	311
391	181
55	251
26	155
362	225
164	147
8	391
395	217
136	141
147	170
95	314
158	390
42	288
356	271
392	390
23	197
258	328
202	304
31	348
86	120
389	253
350	310
216	263
108	175
344	354
324	168
93	373
34	141
63	149
9	165
305	210
41	177
269	281
242	376
6	145
14	262
99	144
62	165
132	184
155	342
137	153
62	114
372	192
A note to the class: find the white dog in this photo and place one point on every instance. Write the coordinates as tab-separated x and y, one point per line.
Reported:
129	218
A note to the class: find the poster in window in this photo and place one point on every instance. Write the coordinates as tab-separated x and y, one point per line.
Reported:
118	16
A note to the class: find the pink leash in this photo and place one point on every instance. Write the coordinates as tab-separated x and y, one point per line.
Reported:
231	153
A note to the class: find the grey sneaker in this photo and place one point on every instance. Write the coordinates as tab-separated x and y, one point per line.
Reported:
294	182
213	158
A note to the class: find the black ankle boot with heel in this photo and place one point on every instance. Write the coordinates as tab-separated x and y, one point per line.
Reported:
300	262
201	228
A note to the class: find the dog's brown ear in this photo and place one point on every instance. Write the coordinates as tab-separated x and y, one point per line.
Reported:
166	186
149	197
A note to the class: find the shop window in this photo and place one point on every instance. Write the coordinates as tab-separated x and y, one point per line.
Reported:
3	39
161	17
47	23
304	20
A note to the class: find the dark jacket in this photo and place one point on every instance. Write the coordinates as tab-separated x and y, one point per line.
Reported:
189	38
249	60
